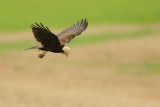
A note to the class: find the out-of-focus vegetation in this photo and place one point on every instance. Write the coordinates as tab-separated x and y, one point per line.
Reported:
83	40
19	14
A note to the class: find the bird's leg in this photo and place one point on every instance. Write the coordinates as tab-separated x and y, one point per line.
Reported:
42	55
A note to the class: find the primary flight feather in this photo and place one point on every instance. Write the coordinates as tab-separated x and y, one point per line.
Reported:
56	43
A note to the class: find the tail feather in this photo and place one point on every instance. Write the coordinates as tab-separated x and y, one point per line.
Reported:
34	47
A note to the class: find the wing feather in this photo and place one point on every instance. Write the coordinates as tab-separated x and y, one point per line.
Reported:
44	35
48	29
68	34
38	25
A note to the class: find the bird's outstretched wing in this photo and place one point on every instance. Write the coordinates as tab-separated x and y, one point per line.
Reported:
44	35
68	34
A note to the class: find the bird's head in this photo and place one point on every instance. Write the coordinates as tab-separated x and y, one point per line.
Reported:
66	50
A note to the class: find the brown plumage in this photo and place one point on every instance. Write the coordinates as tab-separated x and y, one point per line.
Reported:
56	43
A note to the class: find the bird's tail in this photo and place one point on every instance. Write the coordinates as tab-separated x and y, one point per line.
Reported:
34	47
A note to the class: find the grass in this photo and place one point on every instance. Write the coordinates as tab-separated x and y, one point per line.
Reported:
83	40
112	76
19	14
108	37
15	45
152	66
146	68
135	68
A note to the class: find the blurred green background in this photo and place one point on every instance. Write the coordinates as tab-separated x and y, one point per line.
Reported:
17	15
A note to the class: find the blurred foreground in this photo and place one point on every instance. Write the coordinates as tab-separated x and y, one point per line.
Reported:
120	73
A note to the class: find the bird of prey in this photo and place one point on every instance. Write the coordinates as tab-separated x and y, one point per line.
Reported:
56	43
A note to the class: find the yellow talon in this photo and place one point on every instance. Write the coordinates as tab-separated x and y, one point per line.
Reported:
40	55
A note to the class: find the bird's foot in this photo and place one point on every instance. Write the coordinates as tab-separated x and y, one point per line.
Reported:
41	55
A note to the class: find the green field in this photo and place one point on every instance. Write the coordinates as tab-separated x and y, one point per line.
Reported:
19	14
83	40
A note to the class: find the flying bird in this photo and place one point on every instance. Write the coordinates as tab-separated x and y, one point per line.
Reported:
56	43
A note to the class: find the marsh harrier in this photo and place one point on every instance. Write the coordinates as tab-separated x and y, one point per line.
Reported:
56	43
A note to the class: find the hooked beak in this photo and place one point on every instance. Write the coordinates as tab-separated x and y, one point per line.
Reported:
66	50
